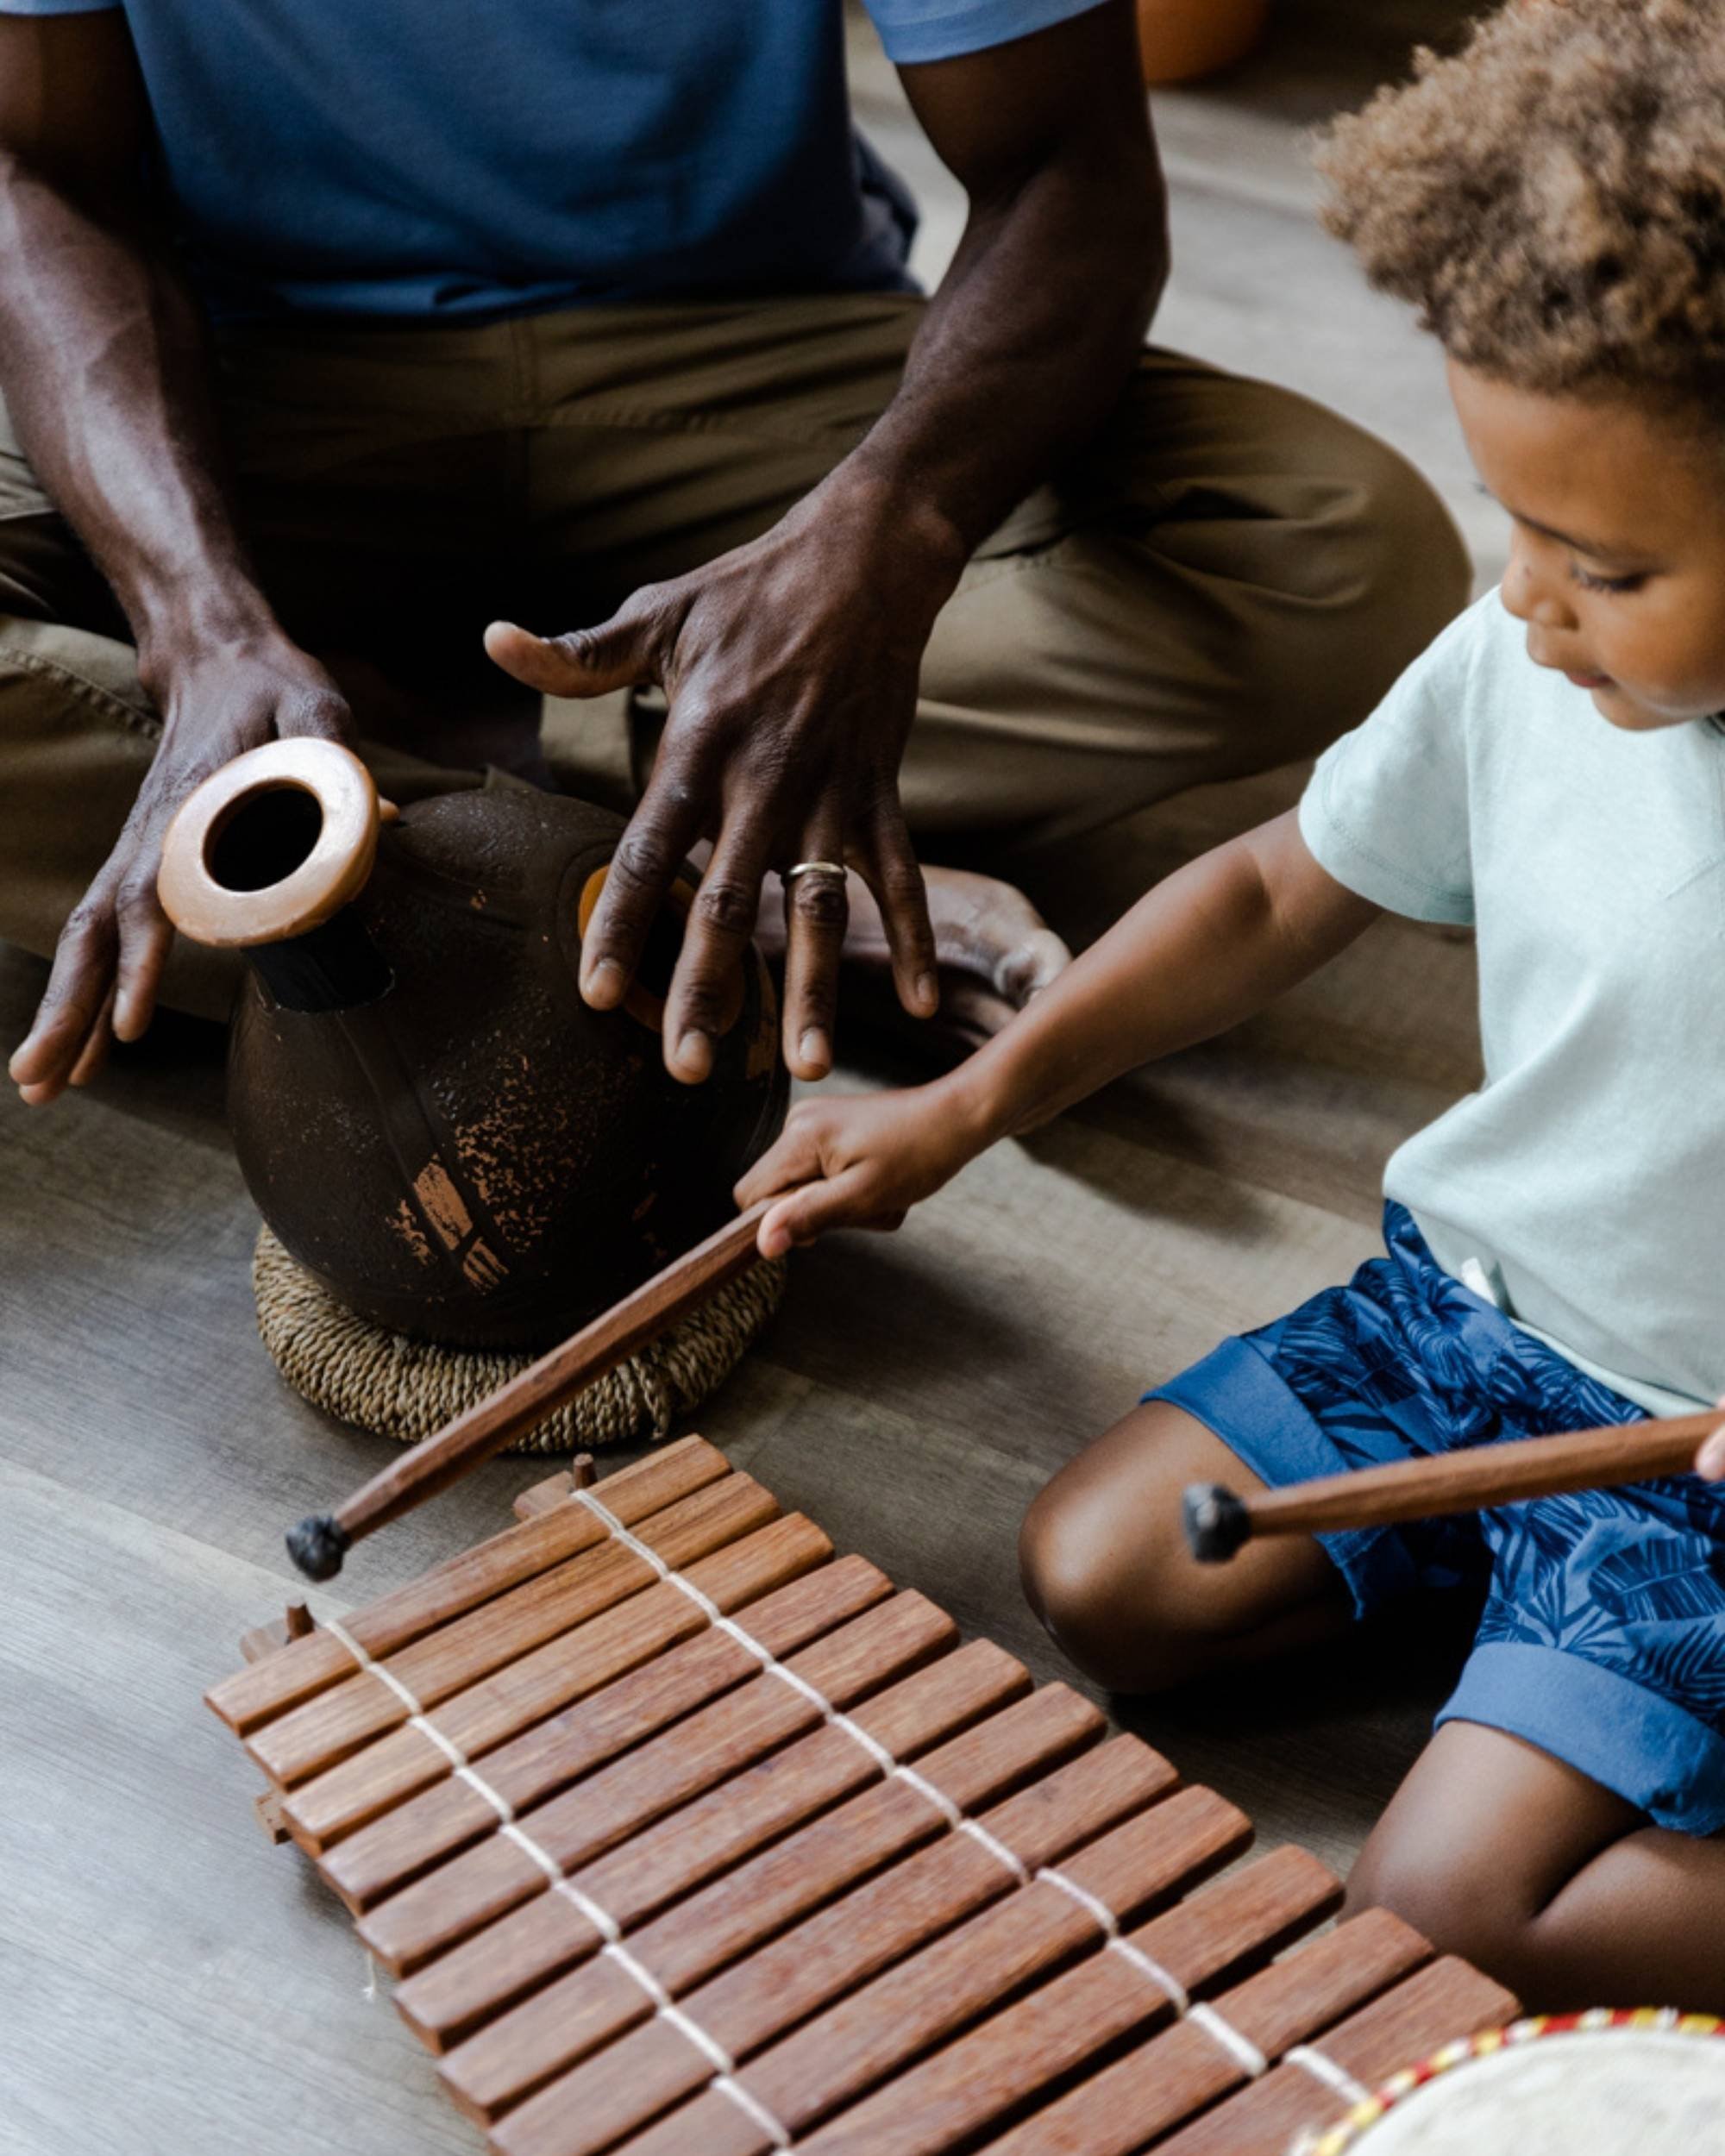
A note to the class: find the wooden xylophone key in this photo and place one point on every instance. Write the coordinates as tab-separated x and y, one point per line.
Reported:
1445	1999
252	1697
1004	2065
808	1968
628	1710
875	2031
309	1739
1028	1739
568	1667
695	1840
703	1749
974	2082
891	1918
579	2013
542	1496
742	1811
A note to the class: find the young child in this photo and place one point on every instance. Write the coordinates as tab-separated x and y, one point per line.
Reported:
1552	771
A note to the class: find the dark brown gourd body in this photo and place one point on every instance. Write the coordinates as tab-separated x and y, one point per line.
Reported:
430	1119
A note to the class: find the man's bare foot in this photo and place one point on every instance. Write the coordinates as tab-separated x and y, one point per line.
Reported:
995	952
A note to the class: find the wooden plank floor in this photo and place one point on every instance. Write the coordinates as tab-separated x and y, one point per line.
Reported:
171	1987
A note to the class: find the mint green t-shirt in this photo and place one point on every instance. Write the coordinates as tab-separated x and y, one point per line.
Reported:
1583	1186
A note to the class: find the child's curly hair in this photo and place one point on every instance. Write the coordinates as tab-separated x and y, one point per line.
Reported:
1552	199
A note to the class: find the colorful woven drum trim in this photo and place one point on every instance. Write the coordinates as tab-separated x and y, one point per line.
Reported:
1343	2137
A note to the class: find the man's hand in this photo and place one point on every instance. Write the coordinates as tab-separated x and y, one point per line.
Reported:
860	1162
105	371
216	702
790	666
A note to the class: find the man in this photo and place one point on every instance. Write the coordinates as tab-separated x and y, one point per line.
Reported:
332	329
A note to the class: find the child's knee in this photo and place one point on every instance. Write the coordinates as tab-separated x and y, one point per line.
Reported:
1113	1588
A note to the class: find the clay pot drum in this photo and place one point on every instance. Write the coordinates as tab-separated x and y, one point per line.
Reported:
429	1118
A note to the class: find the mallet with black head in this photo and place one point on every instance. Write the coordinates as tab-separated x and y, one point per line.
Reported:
1220	1522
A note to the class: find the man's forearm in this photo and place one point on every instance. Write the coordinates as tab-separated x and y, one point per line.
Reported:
1025	348
104	370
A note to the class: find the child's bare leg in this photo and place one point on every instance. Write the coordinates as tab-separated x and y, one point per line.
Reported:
1107	1568
1550	1882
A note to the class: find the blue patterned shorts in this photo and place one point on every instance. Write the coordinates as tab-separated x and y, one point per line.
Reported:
1604	1636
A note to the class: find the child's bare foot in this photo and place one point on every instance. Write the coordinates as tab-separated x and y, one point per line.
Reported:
995	952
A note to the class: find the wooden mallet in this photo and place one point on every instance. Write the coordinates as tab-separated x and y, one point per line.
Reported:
319	1542
1220	1522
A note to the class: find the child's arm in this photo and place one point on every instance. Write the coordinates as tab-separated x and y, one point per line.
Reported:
1201	951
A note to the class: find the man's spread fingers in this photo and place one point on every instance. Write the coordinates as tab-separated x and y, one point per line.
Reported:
583	662
94	1053
894	875
649	858
816	912
146	938
77	987
704	998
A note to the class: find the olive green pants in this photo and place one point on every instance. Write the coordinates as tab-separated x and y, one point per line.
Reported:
1224	579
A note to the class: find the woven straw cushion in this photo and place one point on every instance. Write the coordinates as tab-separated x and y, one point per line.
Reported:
383	1382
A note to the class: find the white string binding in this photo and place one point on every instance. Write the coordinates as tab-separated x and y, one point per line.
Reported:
1245	2053
724	2067
1240	2047
1323	2068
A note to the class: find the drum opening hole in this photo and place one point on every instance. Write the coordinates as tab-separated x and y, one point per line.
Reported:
264	838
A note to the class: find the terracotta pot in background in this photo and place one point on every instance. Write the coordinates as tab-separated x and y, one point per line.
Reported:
1182	39
428	1115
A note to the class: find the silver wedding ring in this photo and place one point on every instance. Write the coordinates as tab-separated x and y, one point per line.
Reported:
814	868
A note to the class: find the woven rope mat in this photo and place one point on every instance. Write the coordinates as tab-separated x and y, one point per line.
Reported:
381	1381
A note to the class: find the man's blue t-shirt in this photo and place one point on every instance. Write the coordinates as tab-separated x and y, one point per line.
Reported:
425	158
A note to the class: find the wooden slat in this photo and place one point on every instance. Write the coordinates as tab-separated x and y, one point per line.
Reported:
844	1945
539	1497
578	2014
1447	1999
547	1758
953	2097
546	1935
878	2030
695	1755
971	2080
567	1668
308	1739
254	1695
884	1921
1163	2081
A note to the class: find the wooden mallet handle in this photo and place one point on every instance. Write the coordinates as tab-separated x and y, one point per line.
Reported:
1220	1522
318	1544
